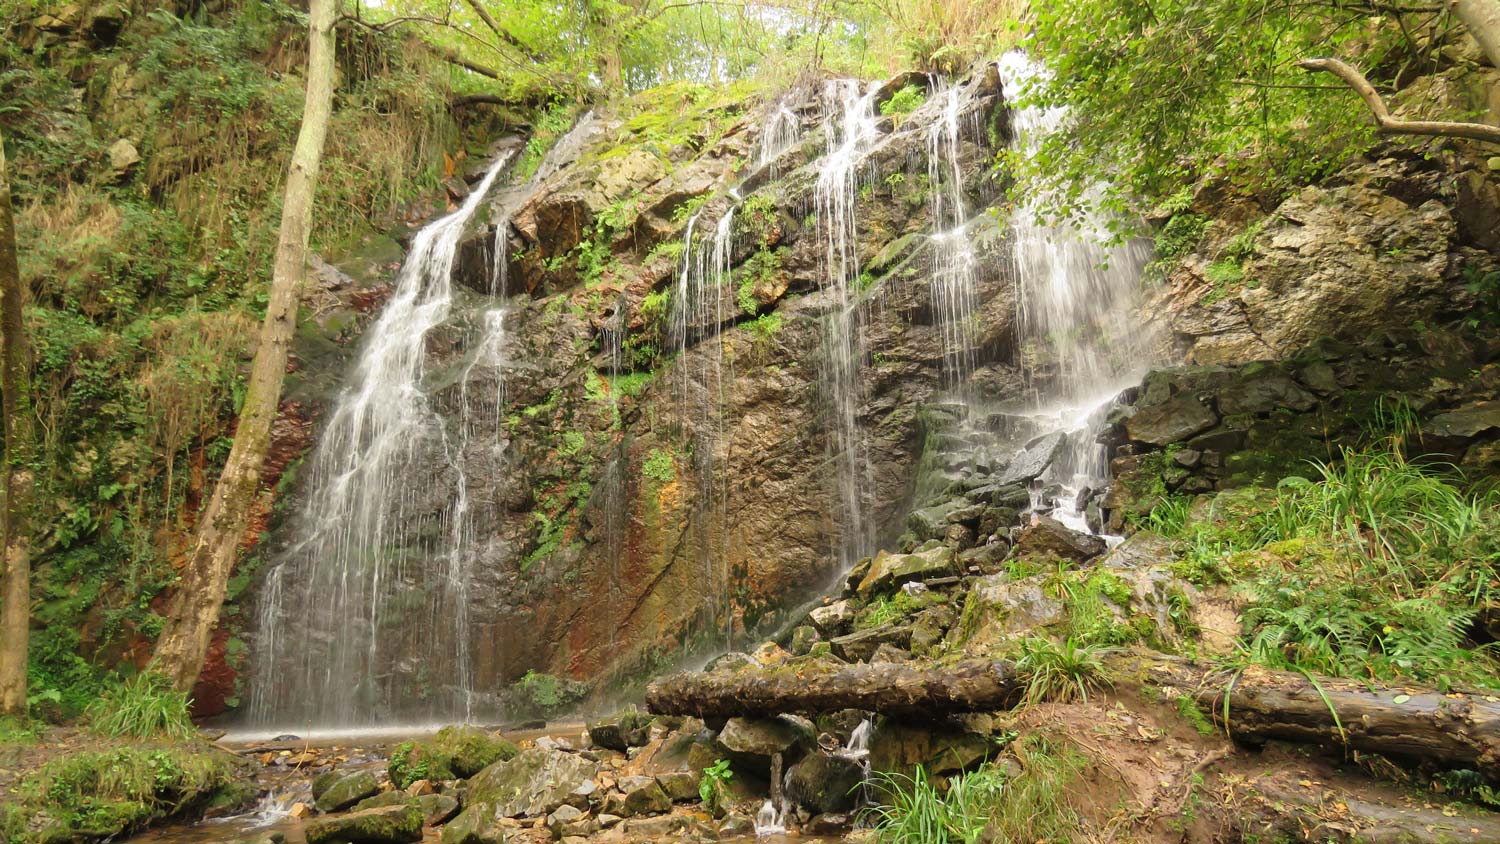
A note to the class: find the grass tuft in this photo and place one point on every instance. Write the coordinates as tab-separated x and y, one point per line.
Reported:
146	707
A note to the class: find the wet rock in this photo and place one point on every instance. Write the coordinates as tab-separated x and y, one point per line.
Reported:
454	752
999	609
323	781
829	823
1140	550
1047	537
384	825
1264	393
388	798
532	784
347	790
666	828
897	747
887	571
680	786
621	731
1173	420
754	741
731	661
736	825
824	783
437	808
638	795
1034	459
860	646
803	639
931	522
834	618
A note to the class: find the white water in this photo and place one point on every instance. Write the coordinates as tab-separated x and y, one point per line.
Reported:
851	129
336	582
782	132
770	820
1077	295
953	268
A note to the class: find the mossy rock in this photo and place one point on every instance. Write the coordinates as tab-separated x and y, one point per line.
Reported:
382	825
455	752
347	790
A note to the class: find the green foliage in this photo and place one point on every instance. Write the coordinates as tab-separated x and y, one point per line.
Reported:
1165	94
1484	285
985	804
711	787
1190	712
547	694
102	794
659	466
1059	672
886	610
548	124
766	326
904	102
145	707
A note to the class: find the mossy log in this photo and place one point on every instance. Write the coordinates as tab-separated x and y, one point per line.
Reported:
896	689
1453	730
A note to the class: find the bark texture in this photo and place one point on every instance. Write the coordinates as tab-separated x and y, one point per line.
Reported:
194	610
1388	125
889	688
19	457
1482	19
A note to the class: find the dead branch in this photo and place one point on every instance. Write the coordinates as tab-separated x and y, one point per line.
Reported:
1388	125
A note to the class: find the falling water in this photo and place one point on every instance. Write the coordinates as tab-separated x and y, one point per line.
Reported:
953	292
345	582
770	820
1077	295
782	132
851	129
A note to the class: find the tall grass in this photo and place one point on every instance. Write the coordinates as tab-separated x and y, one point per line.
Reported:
985	804
1059	672
146	707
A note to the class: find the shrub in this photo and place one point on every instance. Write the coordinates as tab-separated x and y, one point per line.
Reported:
145	707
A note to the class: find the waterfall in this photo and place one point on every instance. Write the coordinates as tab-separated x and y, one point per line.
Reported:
1076	293
850	128
351	581
953	294
782	132
701	305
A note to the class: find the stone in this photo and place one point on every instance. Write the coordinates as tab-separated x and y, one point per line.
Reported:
642	796
829	824
1263	393
565	821
731	661
1000	609
889	653
388	798
1141	549
437	808
755	740
1187	458
887	571
347	790
384	825
476	824
419	788
931	522
123	157
898	748
323	781
803	639
832	619
861	645
1320	378
620	731
1464	423
532	784
735	825
1034	459
769	654
680	786
1173	420
299	811
454	752
824	782
1048	538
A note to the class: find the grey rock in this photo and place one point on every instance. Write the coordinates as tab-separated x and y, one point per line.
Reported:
1047	537
1173	420
888	571
1263	393
860	646
832	619
1034	459
346	791
534	783
824	783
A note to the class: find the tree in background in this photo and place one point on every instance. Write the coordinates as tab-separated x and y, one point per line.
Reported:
199	595
19	454
1167	92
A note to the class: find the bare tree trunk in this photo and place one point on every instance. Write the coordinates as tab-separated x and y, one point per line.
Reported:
194	610
20	470
1388	125
1482	19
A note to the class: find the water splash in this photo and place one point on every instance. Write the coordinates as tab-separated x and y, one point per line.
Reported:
345	581
770	820
850	129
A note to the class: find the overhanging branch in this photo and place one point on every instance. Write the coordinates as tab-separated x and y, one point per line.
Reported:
1388	125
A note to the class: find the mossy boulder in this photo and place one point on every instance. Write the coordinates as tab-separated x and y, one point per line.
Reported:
346	791
381	825
824	783
533	783
455	752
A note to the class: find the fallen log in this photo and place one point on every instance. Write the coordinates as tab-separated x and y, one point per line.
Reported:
897	689
1452	730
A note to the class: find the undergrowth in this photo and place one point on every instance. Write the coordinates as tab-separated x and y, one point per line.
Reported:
145	707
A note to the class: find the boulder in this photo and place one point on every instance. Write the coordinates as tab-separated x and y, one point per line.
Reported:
860	646
1000	609
803	639
1049	538
1140	550
436	808
680	786
887	571
1263	393
621	731
753	741
1034	459
123	157
898	748
931	522
1173	420
570	821
454	752
532	784
640	795
825	783
383	825
347	790
832	619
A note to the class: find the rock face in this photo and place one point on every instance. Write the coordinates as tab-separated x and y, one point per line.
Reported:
533	784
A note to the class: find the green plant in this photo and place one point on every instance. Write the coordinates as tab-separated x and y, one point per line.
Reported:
904	102
1190	712
548	694
1059	672
145	707
711	787
659	466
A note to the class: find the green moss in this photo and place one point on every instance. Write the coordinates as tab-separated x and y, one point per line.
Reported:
1188	709
904	102
659	466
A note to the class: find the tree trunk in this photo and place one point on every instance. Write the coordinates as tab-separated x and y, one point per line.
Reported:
890	688
1482	19
19	466
194	610
1454	730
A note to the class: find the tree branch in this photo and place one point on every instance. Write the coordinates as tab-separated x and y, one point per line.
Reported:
1388	125
501	32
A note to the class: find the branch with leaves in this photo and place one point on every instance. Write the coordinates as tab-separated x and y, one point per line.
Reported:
1388	125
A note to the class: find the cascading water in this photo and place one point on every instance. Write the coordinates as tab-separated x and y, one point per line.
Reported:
345	578
782	132
953	292
1076	299
851	129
